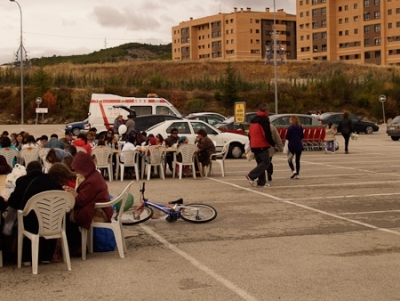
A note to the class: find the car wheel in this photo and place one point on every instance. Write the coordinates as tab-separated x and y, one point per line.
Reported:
395	138
235	150
76	131
369	130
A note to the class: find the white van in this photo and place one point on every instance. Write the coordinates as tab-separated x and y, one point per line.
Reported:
104	108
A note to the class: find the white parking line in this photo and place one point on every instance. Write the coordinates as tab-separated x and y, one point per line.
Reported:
258	191
369	212
234	288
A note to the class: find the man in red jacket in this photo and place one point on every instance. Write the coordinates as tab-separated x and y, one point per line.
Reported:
260	141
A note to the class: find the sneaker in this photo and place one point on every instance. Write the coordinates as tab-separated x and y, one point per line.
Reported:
293	175
252	182
263	186
297	177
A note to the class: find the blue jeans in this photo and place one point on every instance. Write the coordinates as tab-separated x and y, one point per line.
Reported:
262	158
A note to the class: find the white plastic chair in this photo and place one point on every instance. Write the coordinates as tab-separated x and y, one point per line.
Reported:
131	159
154	157
102	156
187	152
29	154
50	208
115	225
9	153
80	149
42	157
218	158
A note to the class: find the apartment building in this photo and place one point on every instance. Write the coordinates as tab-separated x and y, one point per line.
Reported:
242	34
364	31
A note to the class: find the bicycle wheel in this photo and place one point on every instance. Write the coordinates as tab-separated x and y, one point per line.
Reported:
198	213
135	216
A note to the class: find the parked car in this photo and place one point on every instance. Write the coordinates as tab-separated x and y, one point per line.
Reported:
393	129
283	120
231	127
279	120
189	129
216	115
210	119
360	126
143	122
77	127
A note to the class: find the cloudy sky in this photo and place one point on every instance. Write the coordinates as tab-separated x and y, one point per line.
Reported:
57	27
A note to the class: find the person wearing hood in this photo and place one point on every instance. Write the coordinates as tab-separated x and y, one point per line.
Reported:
260	141
93	189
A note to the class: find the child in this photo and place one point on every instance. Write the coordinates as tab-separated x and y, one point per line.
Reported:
330	132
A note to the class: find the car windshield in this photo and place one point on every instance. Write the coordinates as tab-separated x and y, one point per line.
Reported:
396	120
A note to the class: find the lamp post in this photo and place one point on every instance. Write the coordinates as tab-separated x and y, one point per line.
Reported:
275	63
21	48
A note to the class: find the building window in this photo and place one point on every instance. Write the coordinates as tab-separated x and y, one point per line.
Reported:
315	25
377	27
315	12
323	23
366	3
323	35
301	15
346	32
356	31
377	54
355	5
377	2
367	16
323	11
377	15
340	21
367	29
397	10
301	2
389	25
314	2
323	48
340	33
389	11
377	41
367	55
340	8
257	21
315	36
397	24
355	18
257	31
301	38
346	20
367	42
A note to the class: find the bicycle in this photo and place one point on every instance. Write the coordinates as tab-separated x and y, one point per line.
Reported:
194	213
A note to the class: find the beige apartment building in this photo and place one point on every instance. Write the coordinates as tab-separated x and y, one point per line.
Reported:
364	31
240	35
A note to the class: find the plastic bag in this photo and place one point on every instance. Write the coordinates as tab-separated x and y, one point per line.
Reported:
286	147
17	171
249	155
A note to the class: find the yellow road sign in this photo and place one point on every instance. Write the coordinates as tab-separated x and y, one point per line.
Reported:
240	112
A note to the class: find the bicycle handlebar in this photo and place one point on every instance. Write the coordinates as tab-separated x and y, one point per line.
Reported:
142	190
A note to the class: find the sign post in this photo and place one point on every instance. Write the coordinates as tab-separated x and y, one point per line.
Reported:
382	99
38	101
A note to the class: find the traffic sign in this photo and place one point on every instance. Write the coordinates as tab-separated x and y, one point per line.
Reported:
382	98
240	112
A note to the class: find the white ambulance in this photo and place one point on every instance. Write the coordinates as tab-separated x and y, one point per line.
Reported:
104	108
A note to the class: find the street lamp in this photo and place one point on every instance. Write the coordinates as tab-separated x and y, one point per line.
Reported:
275	63
21	48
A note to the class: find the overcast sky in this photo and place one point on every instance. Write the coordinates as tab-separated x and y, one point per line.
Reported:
64	27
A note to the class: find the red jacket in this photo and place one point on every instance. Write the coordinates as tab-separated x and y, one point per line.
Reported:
260	131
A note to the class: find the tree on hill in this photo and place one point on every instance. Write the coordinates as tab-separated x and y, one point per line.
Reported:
230	93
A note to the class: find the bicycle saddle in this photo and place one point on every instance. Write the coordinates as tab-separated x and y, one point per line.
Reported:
178	201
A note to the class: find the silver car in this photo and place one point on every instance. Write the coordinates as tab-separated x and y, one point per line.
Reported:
393	129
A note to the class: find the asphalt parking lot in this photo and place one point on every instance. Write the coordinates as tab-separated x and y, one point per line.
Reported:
333	234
